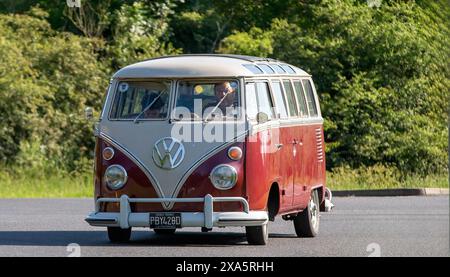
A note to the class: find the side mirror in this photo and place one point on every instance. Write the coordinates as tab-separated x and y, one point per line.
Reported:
89	113
262	117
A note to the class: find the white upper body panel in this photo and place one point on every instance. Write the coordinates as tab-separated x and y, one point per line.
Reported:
199	66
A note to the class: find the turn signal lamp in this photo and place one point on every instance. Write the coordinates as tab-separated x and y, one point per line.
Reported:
108	153
235	153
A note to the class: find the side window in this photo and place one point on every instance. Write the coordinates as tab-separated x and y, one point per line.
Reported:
290	98
265	104
301	98
251	101
277	91
310	98
258	99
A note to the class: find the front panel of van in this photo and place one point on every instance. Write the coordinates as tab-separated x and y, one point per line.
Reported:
133	145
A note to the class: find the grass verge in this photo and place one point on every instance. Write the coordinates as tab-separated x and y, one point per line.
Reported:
32	185
54	186
379	177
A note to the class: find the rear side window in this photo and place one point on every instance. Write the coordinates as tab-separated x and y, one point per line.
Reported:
290	98
301	99
280	103
258	100
310	98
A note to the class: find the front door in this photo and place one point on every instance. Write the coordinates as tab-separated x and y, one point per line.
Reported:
286	147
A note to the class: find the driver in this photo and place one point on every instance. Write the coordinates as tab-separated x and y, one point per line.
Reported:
225	95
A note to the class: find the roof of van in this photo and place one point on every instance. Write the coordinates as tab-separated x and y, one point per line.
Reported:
208	65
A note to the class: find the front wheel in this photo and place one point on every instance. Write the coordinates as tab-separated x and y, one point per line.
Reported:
164	231
257	235
117	234
306	222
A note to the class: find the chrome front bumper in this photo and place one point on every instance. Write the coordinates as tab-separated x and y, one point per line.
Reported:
208	218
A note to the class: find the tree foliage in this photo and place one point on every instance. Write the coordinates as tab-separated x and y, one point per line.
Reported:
139	32
48	76
46	80
382	73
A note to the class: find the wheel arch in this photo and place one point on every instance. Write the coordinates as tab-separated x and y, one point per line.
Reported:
273	201
321	193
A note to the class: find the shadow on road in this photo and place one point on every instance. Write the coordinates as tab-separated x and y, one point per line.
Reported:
139	238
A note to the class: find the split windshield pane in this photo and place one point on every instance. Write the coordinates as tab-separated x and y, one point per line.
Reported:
207	100
148	100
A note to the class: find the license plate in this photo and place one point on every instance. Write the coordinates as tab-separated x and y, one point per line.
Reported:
165	220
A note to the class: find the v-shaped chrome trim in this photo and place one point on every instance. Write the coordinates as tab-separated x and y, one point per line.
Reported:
152	178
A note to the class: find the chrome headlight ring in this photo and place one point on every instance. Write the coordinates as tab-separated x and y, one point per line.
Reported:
115	177
223	177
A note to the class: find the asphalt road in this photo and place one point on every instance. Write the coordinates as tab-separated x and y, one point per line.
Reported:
358	226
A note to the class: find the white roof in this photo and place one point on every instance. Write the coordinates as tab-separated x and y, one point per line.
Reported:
205	65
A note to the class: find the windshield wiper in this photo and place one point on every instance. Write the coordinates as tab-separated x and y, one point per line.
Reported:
205	120
149	106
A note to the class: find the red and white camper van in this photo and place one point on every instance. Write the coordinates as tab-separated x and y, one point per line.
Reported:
209	141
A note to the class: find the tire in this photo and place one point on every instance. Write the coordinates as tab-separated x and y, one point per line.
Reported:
306	222
257	235
164	231
117	234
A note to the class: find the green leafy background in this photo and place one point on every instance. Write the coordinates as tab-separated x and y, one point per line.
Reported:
382	74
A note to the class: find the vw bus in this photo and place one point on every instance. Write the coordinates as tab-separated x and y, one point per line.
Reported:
209	141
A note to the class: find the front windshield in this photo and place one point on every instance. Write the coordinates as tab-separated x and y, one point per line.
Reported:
142	100
207	100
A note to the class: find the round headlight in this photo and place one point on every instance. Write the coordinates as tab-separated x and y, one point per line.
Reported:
223	177
115	176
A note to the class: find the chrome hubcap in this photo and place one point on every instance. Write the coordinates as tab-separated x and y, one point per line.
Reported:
314	213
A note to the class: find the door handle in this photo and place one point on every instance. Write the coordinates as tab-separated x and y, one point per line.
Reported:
279	145
295	142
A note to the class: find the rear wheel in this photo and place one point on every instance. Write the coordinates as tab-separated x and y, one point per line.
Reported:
117	234
257	235
164	231
306	222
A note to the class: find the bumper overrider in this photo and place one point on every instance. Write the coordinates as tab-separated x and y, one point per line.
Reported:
208	218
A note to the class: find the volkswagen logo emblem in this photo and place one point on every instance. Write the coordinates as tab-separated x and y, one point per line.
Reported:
168	153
